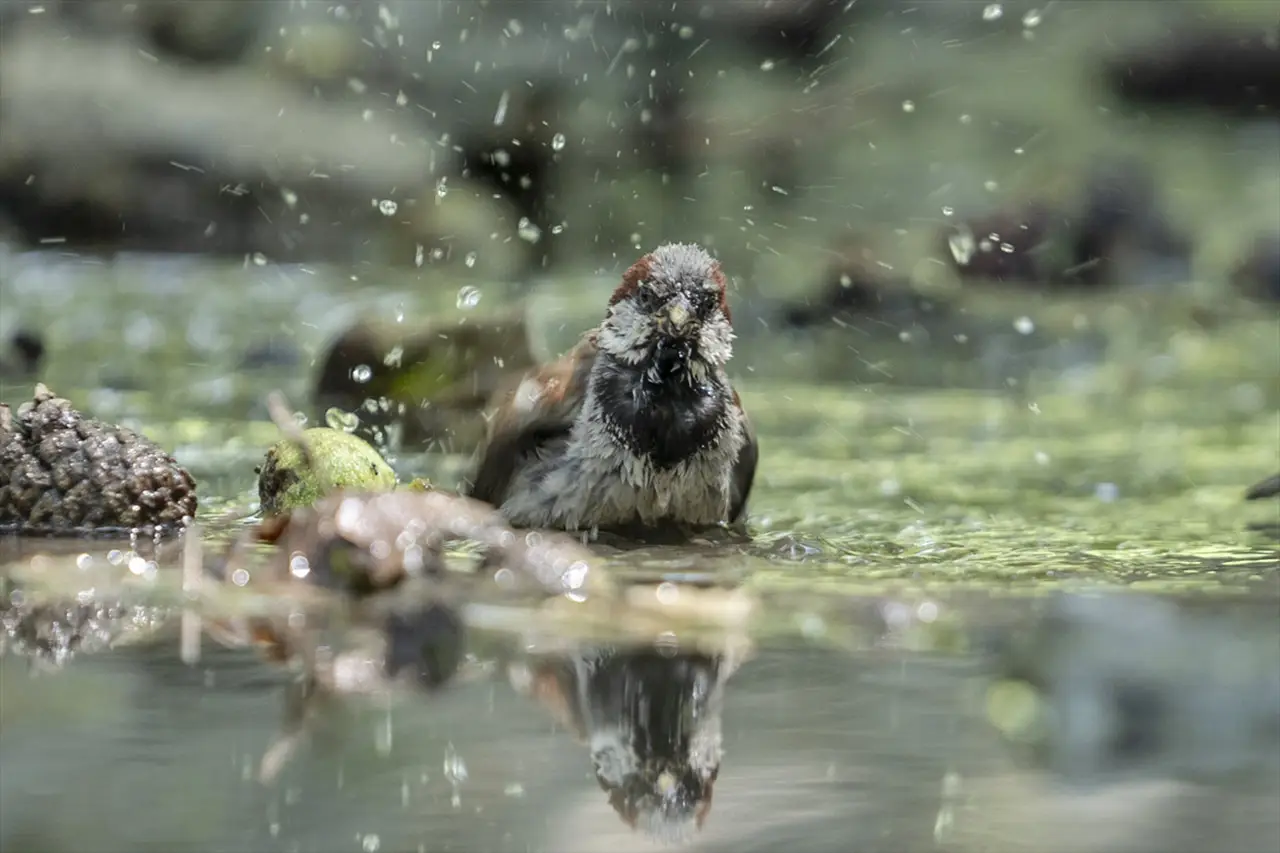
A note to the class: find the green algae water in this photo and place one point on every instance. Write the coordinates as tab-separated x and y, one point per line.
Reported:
1064	439
907	504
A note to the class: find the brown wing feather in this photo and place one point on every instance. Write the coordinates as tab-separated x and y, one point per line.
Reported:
744	468
517	428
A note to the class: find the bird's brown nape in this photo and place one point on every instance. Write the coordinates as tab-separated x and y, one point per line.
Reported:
717	275
638	272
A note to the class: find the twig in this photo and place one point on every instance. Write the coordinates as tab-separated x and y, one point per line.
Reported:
282	417
192	577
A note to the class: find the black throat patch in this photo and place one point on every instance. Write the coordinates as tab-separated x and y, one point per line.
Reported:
667	421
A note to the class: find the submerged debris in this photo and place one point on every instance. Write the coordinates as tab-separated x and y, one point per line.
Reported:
364	542
288	479
62	473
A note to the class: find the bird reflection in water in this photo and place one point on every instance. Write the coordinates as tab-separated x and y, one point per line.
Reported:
651	718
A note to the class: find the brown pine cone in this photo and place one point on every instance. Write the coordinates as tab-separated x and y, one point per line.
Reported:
62	473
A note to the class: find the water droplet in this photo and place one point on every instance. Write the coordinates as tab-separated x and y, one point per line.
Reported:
470	259
500	114
686	32
1032	18
442	187
468	297
527	231
435	45
387	207
370	843
259	259
362	373
990	186
993	12
299	565
767	65
340	420
1042	458
948	210
962	247
1024	325
419	255
1106	492
557	142
455	768
400	311
394	356
908	106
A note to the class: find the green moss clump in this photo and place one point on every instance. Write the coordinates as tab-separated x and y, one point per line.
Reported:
340	461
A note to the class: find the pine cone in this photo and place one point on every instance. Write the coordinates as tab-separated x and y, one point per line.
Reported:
62	473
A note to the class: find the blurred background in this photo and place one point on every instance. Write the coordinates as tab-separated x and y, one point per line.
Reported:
1006	284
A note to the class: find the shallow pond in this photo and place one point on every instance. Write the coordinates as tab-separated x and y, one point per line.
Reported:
923	491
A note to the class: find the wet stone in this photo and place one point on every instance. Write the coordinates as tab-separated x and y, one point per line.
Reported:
62	473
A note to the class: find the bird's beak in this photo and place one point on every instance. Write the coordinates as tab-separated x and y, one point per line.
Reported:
676	318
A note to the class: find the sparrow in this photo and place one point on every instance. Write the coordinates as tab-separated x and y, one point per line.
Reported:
637	426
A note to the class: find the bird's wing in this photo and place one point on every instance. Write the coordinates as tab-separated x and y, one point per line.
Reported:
538	409
744	468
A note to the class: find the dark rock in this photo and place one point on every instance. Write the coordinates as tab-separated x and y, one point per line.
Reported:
1258	275
23	355
1011	246
1131	685
1115	234
857	287
62	473
1120	234
216	167
269	354
519	159
432	380
1265	489
210	32
1232	72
